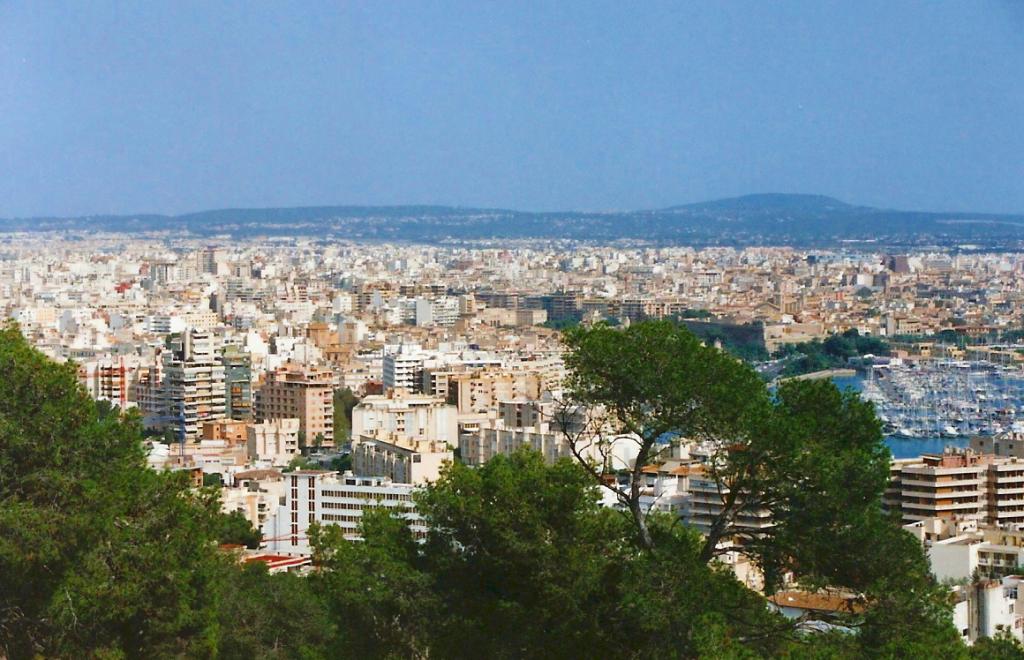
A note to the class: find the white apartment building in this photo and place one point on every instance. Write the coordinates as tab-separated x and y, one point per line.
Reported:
402	415
188	388
164	324
403	368
402	461
951	486
958	485
986	608
273	442
476	448
707	502
666	487
327	498
957	558
256	494
443	311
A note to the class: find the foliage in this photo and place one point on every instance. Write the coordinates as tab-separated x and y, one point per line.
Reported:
301	463
271	616
99	555
657	378
522	562
743	341
864	292
1003	646
835	352
342	463
819	465
345	401
235	529
810	456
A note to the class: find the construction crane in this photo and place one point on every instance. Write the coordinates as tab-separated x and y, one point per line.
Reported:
124	386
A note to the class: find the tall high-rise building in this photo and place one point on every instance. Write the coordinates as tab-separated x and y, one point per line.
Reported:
193	382
403	368
210	258
237	383
958	485
305	393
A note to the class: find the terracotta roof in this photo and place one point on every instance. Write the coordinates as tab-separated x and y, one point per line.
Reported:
817	601
259	474
277	561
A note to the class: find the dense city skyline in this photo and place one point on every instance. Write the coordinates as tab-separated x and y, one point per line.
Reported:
171	108
459	330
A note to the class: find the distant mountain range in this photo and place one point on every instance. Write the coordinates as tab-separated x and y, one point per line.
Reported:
765	219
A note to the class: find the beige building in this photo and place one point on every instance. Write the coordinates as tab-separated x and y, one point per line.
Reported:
481	390
707	502
229	430
275	441
951	485
255	494
480	447
959	485
1004	444
303	393
188	388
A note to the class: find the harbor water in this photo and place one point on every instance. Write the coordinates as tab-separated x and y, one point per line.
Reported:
906	447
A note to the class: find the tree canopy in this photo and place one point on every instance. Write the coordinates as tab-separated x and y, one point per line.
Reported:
100	556
521	561
808	455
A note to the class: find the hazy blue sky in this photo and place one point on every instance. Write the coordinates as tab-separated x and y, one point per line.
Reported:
133	106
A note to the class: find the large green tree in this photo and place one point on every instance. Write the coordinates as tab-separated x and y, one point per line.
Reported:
651	381
271	616
101	556
345	401
97	552
521	561
810	457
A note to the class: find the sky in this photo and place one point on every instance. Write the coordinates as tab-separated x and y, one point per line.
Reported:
114	106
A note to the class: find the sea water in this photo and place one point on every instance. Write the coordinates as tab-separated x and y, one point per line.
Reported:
905	447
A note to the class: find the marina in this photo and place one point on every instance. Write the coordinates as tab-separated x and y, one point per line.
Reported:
945	398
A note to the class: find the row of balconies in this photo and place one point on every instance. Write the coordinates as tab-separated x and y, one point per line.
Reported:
949	483
943	506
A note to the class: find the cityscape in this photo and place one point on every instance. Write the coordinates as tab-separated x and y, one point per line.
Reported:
345	330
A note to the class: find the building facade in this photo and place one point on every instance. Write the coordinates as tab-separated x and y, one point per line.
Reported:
302	393
327	498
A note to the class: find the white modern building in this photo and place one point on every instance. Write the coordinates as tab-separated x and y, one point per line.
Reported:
476	448
188	388
329	498
402	415
403	461
403	367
